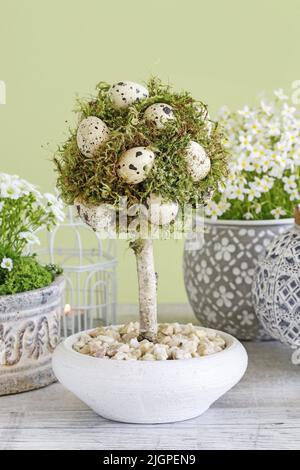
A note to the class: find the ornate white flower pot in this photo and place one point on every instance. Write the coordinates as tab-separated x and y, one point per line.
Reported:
219	270
29	333
150	391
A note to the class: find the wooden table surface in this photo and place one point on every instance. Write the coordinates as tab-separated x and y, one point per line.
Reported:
261	412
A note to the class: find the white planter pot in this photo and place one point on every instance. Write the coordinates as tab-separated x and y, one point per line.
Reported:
219	271
29	333
150	391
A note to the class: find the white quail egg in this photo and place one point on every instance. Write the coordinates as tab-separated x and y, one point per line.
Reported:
198	162
161	212
123	94
134	165
159	113
91	133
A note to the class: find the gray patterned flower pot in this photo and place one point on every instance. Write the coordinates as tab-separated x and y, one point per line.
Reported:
29	332
276	290
219	269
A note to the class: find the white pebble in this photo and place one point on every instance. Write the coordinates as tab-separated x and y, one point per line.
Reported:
174	342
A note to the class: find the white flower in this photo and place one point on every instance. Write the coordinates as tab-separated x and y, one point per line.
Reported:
267	109
213	210
245	163
30	238
245	141
237	192
278	212
294	195
254	191
10	190
248	216
280	94
274	129
265	184
50	198
257	207
289	183
245	112
288	111
55	206
7	263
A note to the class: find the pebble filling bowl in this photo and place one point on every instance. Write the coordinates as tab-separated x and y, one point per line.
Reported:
151	390
174	341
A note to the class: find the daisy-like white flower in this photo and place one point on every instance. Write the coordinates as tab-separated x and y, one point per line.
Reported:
253	191
289	183
7	263
10	190
245	163
256	207
278	212
288	111
248	216
246	112
267	109
30	238
55	206
264	144
280	94
266	183
245	141
294	195
274	129
213	210
237	192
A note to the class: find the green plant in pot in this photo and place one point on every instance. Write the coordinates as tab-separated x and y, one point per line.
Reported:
30	293
157	149
250	210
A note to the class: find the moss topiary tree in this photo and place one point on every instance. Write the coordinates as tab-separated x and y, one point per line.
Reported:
157	148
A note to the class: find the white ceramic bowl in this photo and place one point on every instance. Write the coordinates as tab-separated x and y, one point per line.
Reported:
150	391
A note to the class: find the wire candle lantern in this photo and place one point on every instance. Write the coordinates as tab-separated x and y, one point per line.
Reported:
89	265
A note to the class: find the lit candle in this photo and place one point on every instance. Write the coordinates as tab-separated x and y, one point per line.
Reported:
67	309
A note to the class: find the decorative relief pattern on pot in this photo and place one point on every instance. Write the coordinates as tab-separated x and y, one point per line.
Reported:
29	333
276	290
31	339
219	274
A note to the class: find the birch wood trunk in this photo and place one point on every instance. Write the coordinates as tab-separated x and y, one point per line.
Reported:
147	289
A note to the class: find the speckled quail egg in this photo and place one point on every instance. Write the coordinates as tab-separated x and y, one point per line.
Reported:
198	162
123	94
161	212
159	113
134	165
99	218
91	133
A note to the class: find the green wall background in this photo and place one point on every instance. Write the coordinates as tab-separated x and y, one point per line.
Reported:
223	51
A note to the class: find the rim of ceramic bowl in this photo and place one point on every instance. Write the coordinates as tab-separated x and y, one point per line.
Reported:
231	344
248	223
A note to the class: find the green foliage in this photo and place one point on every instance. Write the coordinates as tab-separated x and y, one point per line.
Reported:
54	270
27	274
93	180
